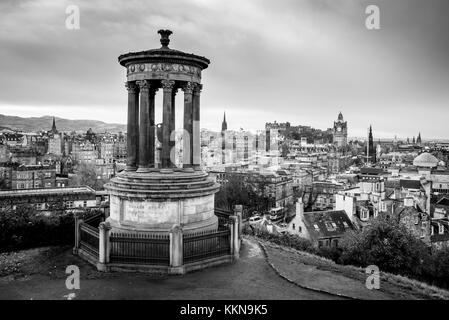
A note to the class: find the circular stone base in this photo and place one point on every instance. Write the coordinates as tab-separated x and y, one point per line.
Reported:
210	224
154	202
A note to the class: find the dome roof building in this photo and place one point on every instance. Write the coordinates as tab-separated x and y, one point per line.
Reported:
426	160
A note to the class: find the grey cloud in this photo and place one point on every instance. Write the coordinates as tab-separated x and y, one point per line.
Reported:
307	60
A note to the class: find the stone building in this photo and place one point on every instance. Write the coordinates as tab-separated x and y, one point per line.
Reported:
19	176
323	194
84	151
51	199
56	144
322	228
6	173
439	225
27	156
4	153
274	185
119	148
106	151
33	177
13	139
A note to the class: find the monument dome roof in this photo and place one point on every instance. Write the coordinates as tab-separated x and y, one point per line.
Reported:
426	160
163	54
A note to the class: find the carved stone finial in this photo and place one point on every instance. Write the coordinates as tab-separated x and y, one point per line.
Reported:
165	37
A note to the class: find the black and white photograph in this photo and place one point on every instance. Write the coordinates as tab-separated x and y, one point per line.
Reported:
219	156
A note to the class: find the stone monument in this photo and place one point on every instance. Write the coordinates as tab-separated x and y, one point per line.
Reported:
152	195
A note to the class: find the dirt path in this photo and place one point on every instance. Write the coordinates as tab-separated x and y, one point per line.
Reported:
43	277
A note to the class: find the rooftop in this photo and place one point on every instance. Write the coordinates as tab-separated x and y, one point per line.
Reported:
46	191
410	184
163	54
426	160
324	224
372	171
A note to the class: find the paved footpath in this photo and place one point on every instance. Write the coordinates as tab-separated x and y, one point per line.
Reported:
251	277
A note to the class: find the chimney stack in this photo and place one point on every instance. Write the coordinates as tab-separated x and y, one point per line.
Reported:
300	208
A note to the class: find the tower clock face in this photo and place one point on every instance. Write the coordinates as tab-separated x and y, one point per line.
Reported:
338	129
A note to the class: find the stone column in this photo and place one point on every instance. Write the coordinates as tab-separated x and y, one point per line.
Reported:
196	140
172	120
187	140
167	86
152	136
144	126
132	126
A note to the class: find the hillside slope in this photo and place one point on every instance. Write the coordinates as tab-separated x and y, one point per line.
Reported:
44	123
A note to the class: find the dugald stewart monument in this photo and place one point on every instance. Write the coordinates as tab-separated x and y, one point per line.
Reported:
162	217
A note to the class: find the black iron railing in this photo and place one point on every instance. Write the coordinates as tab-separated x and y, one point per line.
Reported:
89	239
204	245
140	249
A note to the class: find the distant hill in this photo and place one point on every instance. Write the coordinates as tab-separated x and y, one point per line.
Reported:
44	123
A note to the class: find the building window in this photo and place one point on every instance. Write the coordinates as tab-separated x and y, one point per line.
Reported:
364	214
335	243
329	226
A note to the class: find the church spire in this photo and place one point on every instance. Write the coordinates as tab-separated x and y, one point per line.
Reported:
371	151
224	124
53	127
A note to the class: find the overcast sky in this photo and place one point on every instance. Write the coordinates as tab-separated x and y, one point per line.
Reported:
287	60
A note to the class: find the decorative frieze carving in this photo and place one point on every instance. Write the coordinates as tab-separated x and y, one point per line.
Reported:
164	67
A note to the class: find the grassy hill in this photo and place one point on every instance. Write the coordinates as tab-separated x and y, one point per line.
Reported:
44	123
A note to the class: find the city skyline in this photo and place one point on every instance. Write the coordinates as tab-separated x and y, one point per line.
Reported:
301	62
214	129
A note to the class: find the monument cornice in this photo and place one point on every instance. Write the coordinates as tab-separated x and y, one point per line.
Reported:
163	56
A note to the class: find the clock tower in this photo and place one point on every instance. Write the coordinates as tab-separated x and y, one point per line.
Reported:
340	132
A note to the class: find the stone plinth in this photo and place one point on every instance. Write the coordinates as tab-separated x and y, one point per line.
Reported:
154	202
